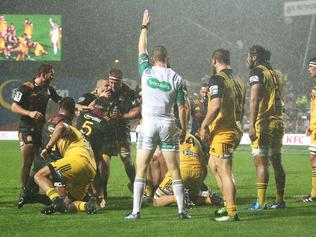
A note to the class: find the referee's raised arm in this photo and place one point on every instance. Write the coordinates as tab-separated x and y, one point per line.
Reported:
142	44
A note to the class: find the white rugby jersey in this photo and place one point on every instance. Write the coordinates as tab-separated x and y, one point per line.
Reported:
161	88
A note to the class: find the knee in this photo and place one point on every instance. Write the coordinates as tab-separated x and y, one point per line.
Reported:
37	177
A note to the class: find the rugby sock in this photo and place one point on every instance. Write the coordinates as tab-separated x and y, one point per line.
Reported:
177	186
79	205
231	210
261	193
52	193
313	192
139	186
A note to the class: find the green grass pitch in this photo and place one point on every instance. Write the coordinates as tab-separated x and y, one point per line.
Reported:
41	28
296	220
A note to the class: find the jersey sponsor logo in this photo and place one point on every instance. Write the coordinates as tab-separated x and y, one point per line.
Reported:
161	85
214	90
90	117
189	153
253	79
17	96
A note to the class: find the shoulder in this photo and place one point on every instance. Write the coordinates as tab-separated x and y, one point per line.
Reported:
27	86
86	99
216	80
256	76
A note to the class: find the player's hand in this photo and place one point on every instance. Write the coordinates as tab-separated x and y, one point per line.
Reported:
182	136
204	134
252	133
106	94
35	115
146	18
44	153
308	131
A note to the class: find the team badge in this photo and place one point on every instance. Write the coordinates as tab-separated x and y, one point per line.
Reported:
253	79
17	96
214	90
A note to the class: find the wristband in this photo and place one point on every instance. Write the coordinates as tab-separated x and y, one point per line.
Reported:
144	27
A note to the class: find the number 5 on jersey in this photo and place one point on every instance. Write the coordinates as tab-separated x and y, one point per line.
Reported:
86	128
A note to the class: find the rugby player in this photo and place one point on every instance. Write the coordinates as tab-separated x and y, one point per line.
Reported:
266	128
199	109
161	89
95	126
126	107
192	167
311	131
30	101
76	170
220	125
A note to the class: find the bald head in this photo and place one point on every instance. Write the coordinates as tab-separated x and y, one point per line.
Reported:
102	85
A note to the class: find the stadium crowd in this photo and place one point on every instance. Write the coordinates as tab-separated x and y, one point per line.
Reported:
71	151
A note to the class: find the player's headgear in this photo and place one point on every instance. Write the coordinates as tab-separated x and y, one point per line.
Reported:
116	74
312	62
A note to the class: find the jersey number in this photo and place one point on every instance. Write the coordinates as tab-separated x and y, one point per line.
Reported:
86	128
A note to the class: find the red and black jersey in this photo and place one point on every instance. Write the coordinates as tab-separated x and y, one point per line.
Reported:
33	97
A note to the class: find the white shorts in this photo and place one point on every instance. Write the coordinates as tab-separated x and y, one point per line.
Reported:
160	132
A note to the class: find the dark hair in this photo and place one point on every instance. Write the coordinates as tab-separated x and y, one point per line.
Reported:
204	85
67	104
44	69
313	60
263	55
222	56
116	74
160	54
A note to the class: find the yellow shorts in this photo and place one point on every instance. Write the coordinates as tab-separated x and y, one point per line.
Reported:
192	180
77	172
262	145
223	144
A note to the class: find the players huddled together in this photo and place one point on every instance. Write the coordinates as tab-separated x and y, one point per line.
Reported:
20	48
71	152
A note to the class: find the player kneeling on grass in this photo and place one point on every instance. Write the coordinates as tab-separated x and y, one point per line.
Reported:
76	170
192	166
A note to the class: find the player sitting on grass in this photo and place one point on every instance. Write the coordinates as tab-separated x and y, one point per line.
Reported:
76	170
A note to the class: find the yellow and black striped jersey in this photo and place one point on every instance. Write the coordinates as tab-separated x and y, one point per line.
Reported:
222	85
191	153
74	143
262	75
313	109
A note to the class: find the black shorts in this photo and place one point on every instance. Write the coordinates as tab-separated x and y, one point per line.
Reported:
29	137
118	137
